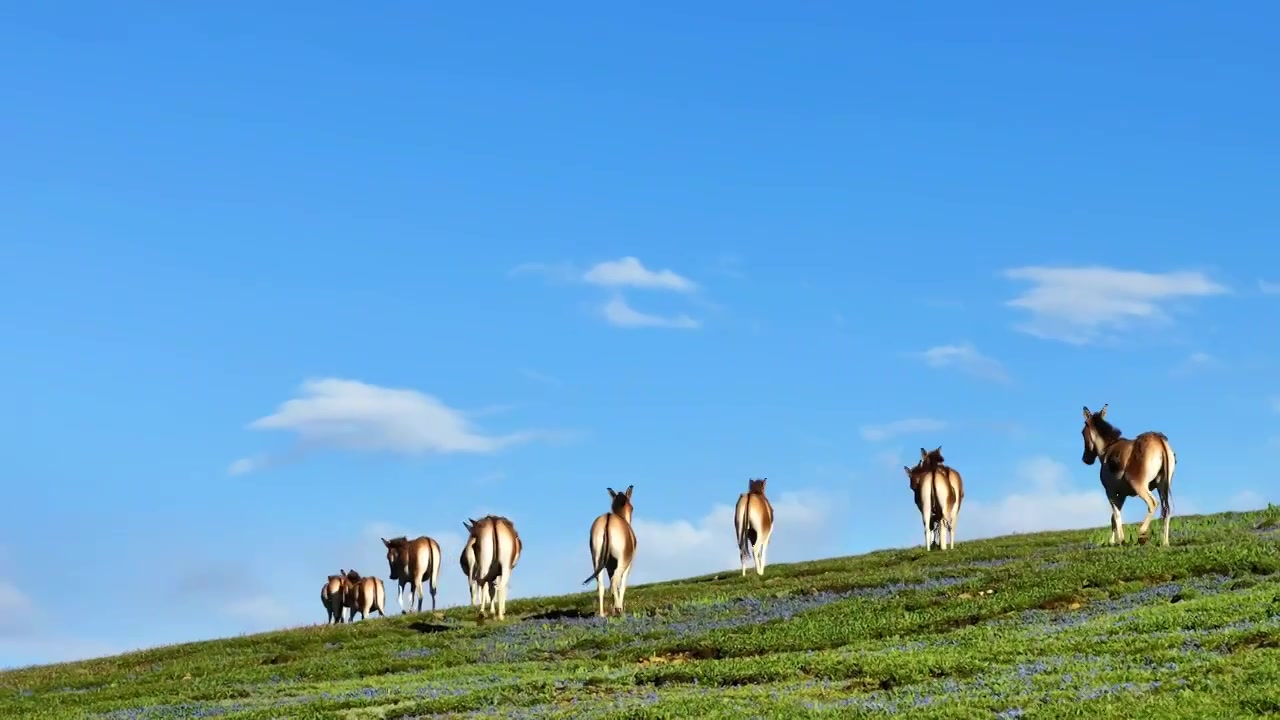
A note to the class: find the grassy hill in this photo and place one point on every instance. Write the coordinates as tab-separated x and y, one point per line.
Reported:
1043	625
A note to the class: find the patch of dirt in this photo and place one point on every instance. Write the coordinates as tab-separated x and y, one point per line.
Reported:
666	659
1063	602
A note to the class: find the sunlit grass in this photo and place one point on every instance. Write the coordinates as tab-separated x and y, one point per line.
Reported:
1041	625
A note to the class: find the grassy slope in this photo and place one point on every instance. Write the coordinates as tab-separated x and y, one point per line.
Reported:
1043	625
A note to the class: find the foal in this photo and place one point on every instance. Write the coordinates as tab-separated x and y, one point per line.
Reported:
613	547
411	563
1129	468
753	524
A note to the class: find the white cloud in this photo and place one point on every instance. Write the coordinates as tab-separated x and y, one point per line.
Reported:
910	426
966	358
1077	304
669	549
1268	288
353	415
1245	500
630	272
1193	362
617	312
16	608
1048	502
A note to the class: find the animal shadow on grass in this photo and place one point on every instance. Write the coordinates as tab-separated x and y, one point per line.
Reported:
426	627
566	614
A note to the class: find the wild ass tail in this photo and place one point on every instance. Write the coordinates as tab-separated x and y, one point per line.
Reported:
1166	494
599	558
741	520
435	568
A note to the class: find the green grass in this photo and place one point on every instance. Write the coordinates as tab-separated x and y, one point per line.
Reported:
1049	625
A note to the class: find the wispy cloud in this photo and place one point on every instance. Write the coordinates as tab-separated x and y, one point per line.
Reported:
619	314
1268	288
909	426
1192	363
630	272
1078	305
966	358
538	377
335	413
617	275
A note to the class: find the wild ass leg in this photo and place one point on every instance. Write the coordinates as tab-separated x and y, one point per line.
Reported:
942	497
762	548
926	512
502	591
417	592
1144	530
600	592
622	591
1116	500
400	596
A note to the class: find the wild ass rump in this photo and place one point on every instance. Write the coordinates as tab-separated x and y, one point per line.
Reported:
1129	468
412	562
333	597
753	524
613	547
496	551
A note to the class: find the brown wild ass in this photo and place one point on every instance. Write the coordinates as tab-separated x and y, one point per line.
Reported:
364	595
496	549
468	559
939	492
613	547
333	596
413	562
753	524
1129	468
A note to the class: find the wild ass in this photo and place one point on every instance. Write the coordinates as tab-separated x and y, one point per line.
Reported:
1129	468
939	492
333	597
753	524
364	595
413	562
496	548
613	547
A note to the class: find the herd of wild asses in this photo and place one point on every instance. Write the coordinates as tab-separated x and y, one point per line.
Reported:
1128	468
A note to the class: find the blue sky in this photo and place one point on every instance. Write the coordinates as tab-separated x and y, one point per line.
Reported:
275	282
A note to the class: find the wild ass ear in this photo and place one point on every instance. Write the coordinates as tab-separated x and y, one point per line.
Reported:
938	450
907	470
1087	414
1103	412
611	493
924	454
762	482
384	542
629	489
